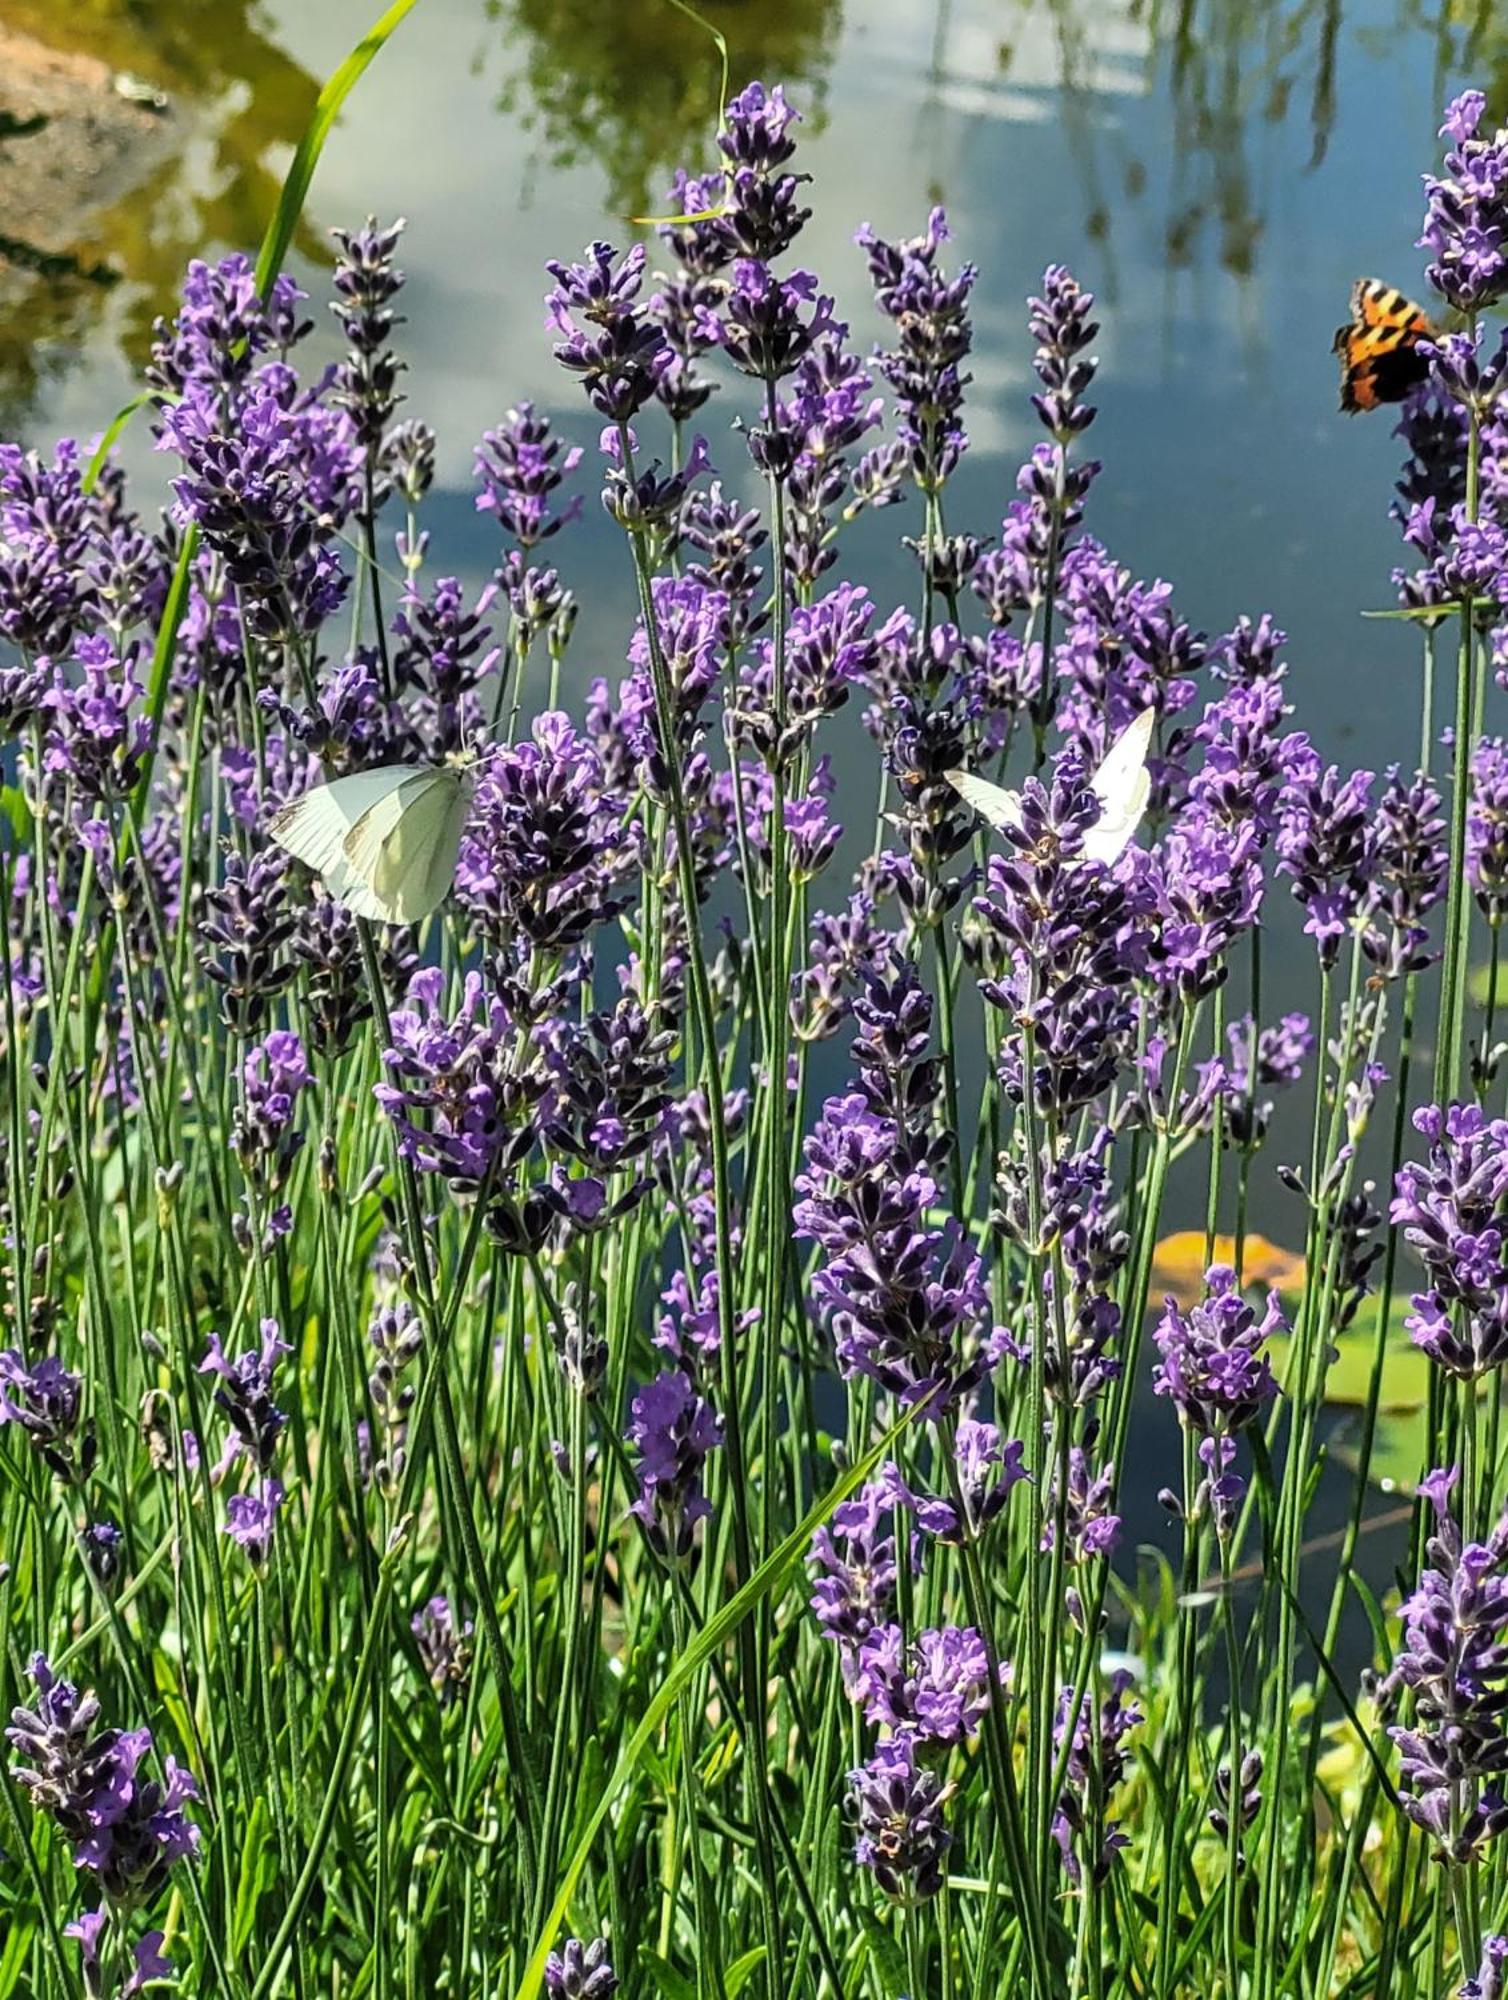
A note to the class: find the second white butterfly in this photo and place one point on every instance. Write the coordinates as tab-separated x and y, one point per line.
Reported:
1121	784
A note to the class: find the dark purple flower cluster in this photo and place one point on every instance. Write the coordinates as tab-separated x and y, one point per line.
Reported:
895	1804
444	653
44	548
45	1400
546	842
608	337
264	1131
1490	1981
97	735
1274	1062
444	1647
1487	828
1215	1370
1325	844
1410	863
854	1568
267	478
936	1690
580	1971
223	329
366	282
930	313
126	1828
1207	873
1454	1662
243	1395
1124	649
1060	943
905	1299
1452	1208
460	1098
1466	214
518	466
673	1429
148	1961
1096	1764
244	935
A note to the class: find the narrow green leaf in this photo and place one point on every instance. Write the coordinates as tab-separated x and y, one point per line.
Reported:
18	815
772	1572
326	110
111	437
742	1970
255	1877
17	1950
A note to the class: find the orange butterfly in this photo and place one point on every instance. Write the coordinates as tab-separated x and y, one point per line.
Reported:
1379	348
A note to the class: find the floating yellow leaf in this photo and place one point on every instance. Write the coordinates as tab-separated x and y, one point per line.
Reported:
1179	1262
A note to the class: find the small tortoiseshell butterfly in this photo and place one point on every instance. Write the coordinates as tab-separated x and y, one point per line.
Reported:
1379	348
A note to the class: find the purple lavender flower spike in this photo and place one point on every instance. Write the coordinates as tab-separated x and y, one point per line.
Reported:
127	1829
458	1101
1490	1981
673	1430
580	1971
1466	212
366	282
1451	1206
1094	1770
896	1807
1487	828
519	466
97	734
243	938
102	1543
936	1690
44	547
223	330
934	335
546	841
43	1398
1454	1660
1276	1063
608	338
853	1566
444	1645
243	1395
250	1519
1325	844
1213	1366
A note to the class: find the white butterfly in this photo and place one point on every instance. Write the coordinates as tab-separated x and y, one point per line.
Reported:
1121	785
384	842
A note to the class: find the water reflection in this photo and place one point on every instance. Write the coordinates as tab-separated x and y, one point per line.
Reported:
635	88
1202	118
237	102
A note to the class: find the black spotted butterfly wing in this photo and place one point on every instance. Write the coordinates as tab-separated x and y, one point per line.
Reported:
1379	346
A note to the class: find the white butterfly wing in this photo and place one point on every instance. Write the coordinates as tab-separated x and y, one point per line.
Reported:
1122	785
315	827
399	859
992	802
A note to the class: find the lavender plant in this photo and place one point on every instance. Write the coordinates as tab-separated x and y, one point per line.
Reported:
599	1429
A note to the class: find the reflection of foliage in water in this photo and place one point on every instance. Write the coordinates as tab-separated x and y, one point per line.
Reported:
242	101
1227	66
634	86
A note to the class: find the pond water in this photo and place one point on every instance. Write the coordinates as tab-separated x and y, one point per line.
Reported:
1217	171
